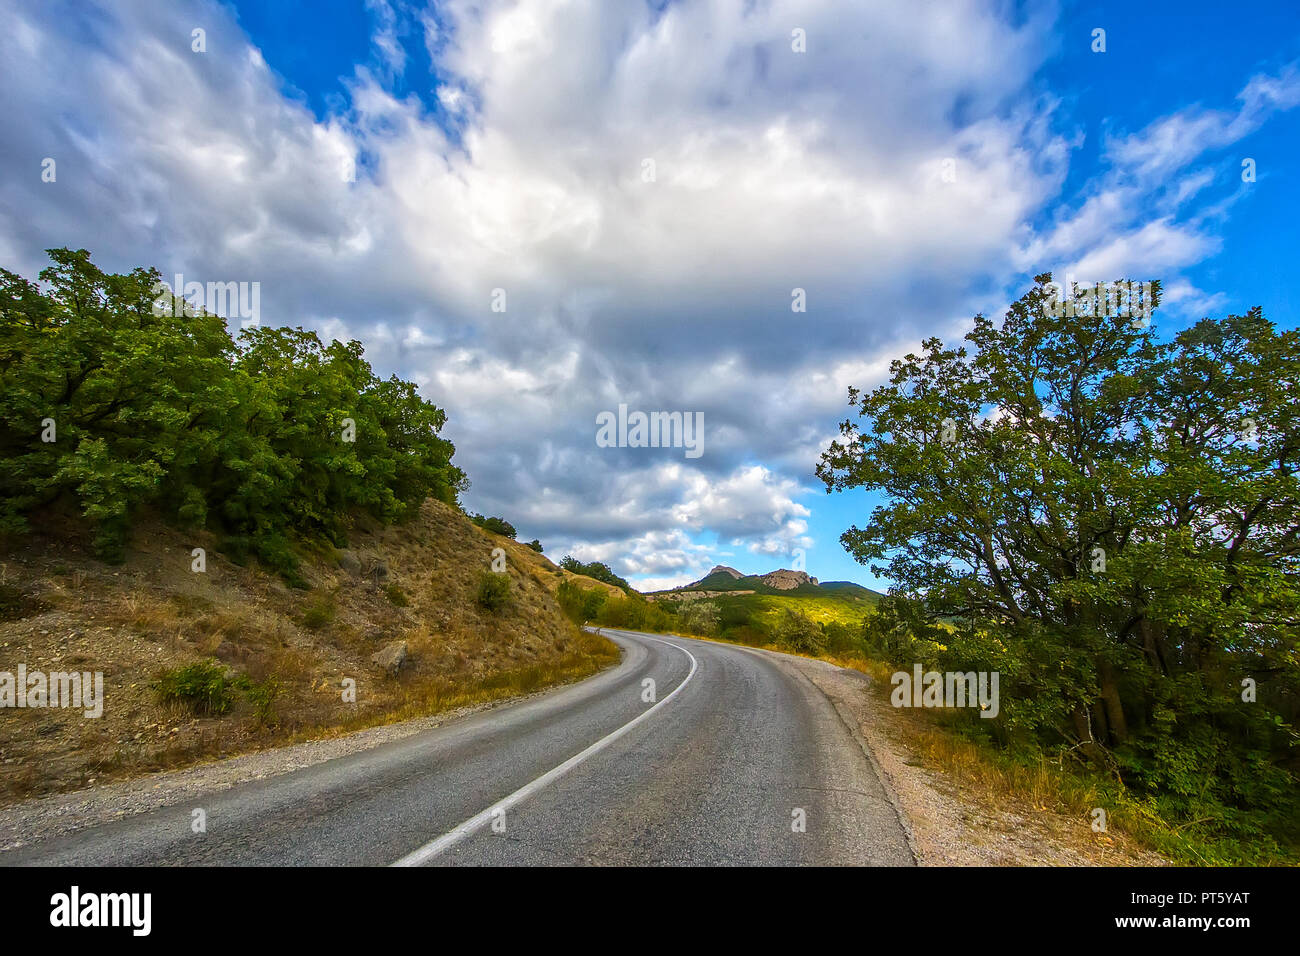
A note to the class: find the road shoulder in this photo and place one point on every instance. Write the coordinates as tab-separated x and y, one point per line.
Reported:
951	825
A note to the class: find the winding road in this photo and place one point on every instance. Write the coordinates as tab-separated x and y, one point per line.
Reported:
686	753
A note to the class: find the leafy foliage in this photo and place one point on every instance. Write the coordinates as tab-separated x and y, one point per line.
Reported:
202	687
495	525
578	603
1113	525
493	591
162	407
596	569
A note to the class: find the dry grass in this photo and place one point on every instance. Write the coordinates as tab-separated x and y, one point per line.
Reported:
153	614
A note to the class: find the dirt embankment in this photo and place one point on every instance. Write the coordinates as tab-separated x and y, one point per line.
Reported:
397	612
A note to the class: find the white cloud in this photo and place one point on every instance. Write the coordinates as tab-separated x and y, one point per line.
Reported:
774	170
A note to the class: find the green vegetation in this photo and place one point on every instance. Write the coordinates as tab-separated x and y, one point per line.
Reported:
1112	523
596	605
495	525
263	697
207	689
202	687
596	569
776	617
535	545
493	591
319	613
109	403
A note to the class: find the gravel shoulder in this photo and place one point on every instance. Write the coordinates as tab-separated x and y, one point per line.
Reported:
949	824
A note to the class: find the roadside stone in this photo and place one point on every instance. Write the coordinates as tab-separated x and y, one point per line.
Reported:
227	652
391	659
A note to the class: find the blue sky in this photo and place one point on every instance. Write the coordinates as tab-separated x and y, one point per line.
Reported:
501	145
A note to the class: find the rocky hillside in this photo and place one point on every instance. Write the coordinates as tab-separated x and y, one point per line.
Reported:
401	612
723	569
784	580
725	579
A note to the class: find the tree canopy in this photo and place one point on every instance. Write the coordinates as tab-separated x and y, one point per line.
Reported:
109	404
594	569
1111	520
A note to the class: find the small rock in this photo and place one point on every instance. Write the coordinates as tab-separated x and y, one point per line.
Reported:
391	658
227	652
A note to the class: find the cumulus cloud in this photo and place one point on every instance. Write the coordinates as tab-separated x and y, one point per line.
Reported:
643	186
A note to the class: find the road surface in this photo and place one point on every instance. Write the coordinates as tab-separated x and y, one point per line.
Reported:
731	757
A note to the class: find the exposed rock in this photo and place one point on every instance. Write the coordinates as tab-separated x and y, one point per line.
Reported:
786	580
227	652
391	658
350	563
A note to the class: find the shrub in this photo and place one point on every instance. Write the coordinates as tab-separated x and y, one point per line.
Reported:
596	569
495	525
319	613
201	686
262	696
799	633
493	591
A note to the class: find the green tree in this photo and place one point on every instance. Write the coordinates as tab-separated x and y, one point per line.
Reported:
271	437
1109	519
495	525
595	569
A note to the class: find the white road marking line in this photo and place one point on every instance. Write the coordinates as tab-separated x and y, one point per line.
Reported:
480	820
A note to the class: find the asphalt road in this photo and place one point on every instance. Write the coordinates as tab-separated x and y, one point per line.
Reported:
732	752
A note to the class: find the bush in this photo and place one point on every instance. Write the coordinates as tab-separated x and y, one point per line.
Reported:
158	406
493	591
596	569
495	525
262	696
319	613
699	617
201	686
535	545
800	633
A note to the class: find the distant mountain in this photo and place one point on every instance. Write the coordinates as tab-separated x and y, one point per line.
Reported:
784	580
780	581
